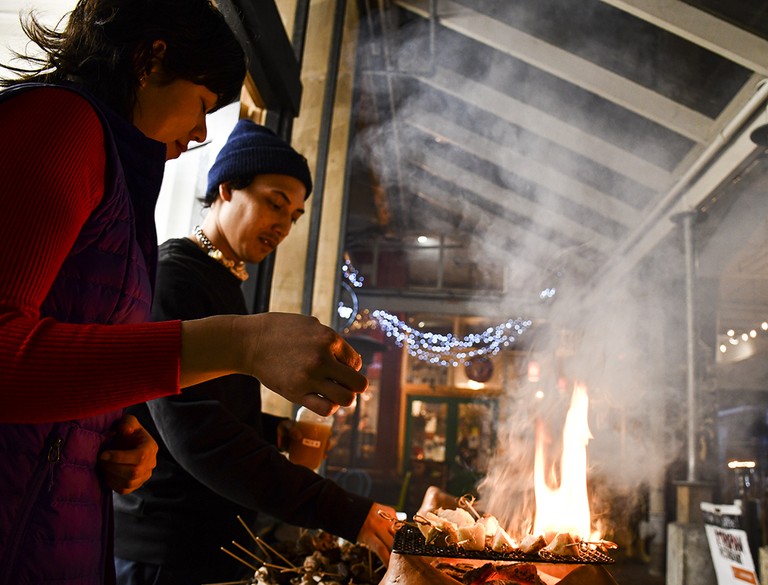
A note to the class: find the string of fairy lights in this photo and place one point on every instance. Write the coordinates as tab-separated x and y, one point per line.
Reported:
351	274
447	349
444	349
735	338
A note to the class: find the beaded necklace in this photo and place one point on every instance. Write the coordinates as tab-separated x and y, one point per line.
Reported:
235	267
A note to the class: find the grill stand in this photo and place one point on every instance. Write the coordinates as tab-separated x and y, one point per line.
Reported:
410	541
415	570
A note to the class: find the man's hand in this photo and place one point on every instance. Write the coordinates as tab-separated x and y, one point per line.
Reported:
131	457
378	533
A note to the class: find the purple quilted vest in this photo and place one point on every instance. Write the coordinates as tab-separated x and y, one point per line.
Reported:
55	510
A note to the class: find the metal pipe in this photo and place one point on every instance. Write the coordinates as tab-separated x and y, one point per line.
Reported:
686	220
432	35
324	140
690	345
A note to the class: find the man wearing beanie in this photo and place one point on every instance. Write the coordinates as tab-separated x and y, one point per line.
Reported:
217	457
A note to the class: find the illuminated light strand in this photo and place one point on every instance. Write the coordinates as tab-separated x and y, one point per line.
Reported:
548	293
448	349
351	274
437	348
735	339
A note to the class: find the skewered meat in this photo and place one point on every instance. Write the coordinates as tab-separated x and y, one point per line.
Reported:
502	541
562	544
472	536
532	543
298	562
458	516
442	525
491	524
476	532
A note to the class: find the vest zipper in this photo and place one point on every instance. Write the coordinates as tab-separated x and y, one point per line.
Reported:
9	556
54	455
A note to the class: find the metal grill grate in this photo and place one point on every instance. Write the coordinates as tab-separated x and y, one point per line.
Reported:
410	541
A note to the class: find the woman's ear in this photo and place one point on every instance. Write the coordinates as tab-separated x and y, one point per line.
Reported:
151	64
158	54
158	50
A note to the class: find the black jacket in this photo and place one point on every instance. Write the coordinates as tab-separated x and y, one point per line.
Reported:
215	459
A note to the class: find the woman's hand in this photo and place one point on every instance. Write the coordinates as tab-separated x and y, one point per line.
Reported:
293	355
377	532
131	457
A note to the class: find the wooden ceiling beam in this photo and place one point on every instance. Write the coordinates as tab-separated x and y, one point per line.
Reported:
548	218
701	28
569	67
444	130
553	129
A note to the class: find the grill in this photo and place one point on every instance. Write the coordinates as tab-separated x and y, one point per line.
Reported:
410	541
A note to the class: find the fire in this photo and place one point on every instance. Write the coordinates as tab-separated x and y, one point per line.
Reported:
565	508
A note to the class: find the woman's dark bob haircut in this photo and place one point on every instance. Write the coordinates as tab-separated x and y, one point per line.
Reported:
107	46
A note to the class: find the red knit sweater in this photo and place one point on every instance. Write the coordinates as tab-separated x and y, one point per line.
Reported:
52	166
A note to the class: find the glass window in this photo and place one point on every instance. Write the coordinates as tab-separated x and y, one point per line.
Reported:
429	426
475	436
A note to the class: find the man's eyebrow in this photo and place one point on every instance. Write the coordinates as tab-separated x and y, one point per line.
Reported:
282	194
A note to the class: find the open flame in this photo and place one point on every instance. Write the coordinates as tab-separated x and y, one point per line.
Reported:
565	507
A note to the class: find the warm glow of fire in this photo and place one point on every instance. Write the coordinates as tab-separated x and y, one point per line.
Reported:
565	507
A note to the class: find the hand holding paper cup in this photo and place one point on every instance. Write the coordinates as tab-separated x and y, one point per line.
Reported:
309	440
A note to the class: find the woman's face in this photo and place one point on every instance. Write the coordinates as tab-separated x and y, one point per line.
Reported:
172	112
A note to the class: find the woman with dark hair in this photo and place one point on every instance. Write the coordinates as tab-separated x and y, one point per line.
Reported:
86	130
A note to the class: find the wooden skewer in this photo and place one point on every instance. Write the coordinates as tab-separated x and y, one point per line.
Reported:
604	543
466	501
264	546
386	515
248	530
263	562
370	566
234	556
394	523
262	543
249	553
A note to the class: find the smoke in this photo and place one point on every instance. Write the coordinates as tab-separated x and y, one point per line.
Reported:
545	178
614	347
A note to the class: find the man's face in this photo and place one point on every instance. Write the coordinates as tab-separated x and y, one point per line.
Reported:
254	220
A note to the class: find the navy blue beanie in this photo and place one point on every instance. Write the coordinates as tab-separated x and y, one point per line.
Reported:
255	150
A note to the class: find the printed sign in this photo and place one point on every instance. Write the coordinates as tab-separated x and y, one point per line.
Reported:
728	545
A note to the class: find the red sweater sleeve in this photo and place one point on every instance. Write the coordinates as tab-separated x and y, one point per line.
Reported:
52	168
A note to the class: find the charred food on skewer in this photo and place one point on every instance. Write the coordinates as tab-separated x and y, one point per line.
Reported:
467	529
